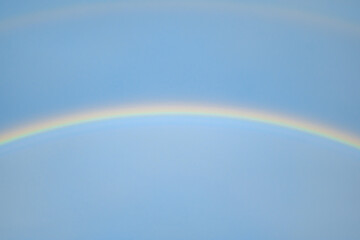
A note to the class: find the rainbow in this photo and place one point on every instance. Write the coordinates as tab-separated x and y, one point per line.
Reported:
91	9
136	111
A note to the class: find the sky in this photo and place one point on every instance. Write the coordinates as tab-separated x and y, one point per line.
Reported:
180	177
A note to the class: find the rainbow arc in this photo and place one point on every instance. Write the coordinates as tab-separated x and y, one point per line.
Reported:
138	111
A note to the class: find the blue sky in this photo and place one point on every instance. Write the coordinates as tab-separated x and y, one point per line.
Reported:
144	56
180	178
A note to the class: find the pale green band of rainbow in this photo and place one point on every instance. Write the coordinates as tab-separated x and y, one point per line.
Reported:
180	110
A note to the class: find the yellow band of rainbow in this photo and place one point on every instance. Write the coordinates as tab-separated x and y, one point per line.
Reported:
180	110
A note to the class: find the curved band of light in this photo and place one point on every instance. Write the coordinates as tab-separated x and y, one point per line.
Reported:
181	110
207	6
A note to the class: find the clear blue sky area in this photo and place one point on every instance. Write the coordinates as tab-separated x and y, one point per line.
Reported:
180	177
